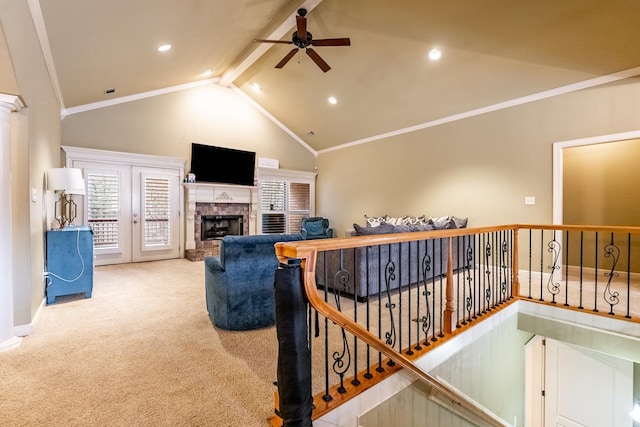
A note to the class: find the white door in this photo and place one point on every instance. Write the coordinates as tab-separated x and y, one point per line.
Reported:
156	214
585	388
133	211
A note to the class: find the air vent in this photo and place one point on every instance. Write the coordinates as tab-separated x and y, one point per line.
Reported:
310	133
110	91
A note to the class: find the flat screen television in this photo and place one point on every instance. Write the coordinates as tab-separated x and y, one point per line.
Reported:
222	165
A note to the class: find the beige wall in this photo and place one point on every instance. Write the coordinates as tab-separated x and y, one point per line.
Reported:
35	146
601	184
481	167
601	188
166	125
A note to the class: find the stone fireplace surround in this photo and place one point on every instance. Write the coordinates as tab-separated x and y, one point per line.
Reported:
216	199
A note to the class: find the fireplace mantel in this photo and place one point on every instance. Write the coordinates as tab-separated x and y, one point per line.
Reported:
199	192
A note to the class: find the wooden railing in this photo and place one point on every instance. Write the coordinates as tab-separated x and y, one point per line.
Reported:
408	293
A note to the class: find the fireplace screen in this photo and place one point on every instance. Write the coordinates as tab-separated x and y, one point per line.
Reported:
217	226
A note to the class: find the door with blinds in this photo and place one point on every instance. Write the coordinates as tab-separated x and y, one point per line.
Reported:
133	211
155	216
283	205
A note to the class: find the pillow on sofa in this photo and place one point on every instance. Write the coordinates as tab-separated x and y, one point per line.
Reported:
374	221
440	222
383	228
460	222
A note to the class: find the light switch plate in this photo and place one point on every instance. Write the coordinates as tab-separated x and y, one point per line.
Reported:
529	200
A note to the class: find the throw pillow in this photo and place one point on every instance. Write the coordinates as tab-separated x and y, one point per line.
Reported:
383	228
439	223
460	222
374	221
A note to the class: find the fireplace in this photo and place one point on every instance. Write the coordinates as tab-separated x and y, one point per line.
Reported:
216	210
218	226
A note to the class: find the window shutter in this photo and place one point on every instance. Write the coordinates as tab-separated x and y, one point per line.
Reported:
284	204
103	206
157	211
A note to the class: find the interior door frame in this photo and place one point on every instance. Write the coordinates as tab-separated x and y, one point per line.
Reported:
73	154
558	165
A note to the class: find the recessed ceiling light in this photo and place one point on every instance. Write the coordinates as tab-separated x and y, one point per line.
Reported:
206	73
256	87
333	100
435	54
164	47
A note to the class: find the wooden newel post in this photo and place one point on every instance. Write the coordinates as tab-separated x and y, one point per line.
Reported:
449	324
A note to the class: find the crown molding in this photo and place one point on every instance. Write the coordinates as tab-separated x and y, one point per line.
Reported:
136	97
585	84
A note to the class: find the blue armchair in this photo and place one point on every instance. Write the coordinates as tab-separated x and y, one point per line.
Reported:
240	282
316	227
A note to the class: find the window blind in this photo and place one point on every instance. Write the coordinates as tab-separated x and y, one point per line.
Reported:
103	207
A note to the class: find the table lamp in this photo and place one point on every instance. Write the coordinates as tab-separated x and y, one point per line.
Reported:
66	181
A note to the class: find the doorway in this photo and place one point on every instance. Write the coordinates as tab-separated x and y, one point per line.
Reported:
133	209
572	386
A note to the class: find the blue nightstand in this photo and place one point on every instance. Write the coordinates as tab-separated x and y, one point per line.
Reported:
69	262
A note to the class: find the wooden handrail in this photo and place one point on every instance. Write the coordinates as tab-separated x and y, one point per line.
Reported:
307	251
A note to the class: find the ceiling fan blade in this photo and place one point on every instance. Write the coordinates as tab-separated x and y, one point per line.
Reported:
301	24
332	42
286	59
319	61
271	41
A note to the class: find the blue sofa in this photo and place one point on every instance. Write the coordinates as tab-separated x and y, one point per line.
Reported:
240	282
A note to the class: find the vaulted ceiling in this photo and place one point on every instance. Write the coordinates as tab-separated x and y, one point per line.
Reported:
494	53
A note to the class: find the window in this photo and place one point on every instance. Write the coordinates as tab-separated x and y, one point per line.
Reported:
103	207
286	197
157	211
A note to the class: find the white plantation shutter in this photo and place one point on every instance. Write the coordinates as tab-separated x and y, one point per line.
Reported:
157	211
299	205
273	201
283	205
103	207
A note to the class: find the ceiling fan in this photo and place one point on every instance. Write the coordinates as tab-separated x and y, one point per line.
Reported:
302	39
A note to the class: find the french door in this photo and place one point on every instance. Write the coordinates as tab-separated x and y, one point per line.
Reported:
133	211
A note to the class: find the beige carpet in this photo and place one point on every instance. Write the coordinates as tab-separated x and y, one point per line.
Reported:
140	352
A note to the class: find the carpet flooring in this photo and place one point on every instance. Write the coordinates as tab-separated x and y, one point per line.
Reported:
140	352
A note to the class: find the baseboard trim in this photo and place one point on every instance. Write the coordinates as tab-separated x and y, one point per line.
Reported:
28	328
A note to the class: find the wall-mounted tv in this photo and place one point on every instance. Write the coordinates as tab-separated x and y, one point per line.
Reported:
222	165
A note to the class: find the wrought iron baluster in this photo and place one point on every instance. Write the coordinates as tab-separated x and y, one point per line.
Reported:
611	251
426	319
553	247
487	272
390	275
341	358
469	299
504	267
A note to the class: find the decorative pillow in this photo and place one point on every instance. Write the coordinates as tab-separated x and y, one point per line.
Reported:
383	228
374	221
439	223
414	220
460	222
395	220
424	227
449	224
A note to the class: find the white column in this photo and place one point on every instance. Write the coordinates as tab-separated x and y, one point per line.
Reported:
8	339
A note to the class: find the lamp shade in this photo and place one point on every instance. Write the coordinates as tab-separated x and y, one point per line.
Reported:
65	179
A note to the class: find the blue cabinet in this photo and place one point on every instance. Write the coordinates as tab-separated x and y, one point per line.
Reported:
69	262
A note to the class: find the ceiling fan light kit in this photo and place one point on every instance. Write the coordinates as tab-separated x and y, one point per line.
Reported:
302	39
